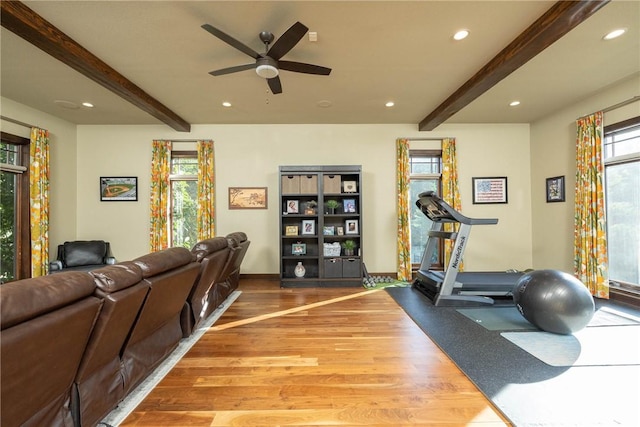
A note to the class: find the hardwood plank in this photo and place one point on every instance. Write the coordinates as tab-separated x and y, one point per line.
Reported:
314	357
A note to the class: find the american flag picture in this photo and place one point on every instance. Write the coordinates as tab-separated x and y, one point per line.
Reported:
490	190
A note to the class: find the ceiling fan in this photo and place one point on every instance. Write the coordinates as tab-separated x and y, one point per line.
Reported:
268	64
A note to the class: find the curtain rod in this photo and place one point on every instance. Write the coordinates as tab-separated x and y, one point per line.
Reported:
17	122
615	106
427	139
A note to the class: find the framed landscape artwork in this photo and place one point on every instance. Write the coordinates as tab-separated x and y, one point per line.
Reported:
247	197
118	188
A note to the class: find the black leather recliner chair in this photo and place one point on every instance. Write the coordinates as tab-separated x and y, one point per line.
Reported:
82	255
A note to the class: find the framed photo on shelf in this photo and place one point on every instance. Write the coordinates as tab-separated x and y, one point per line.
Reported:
292	207
340	230
291	230
308	226
349	205
298	249
328	230
351	226
118	188
349	187
555	189
489	190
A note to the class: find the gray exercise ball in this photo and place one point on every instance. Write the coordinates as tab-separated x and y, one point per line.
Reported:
554	301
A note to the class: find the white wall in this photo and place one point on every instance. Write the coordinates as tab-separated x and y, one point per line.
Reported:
63	172
249	155
553	142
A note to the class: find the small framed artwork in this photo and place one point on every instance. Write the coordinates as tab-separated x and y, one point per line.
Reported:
299	249
555	189
349	205
351	226
340	230
328	230
292	206
308	226
349	187
291	230
489	190
247	197
118	188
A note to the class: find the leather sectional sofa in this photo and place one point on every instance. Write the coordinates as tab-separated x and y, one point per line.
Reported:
74	344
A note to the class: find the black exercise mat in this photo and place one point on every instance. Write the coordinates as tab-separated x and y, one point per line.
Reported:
526	390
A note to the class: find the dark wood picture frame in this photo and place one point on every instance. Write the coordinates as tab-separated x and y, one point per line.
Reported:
118	188
555	189
490	190
248	198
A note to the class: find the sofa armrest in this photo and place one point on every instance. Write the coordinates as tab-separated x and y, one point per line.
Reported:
55	266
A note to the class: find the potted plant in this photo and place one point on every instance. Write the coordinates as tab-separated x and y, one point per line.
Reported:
349	247
332	205
311	207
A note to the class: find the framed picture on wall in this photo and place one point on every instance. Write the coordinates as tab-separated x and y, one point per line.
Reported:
555	189
247	197
489	190
118	188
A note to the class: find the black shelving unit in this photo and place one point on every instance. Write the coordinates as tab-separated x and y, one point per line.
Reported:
313	235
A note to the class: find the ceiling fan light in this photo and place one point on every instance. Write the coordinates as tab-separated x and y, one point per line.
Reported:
267	71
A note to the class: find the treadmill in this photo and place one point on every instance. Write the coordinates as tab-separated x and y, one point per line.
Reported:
451	287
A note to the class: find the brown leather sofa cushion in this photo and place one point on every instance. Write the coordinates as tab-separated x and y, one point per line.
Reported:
161	261
208	246
117	277
30	298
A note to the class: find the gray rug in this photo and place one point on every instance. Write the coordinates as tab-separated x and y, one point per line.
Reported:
529	392
510	319
592	346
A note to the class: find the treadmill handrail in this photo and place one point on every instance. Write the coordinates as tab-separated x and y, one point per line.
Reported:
438	210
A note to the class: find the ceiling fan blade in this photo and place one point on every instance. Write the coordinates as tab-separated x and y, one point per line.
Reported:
231	41
301	67
287	41
230	70
275	85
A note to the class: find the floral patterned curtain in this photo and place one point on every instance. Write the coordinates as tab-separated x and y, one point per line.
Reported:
159	198
39	201
590	235
404	236
206	190
450	191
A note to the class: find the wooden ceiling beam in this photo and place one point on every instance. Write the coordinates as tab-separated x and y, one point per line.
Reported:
561	18
26	23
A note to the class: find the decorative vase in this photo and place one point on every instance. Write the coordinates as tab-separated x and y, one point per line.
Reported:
299	271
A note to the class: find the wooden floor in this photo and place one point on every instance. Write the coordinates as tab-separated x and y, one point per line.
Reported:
314	357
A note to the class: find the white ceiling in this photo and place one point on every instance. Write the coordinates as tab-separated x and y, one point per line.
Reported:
378	50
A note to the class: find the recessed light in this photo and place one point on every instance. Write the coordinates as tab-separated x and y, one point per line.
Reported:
514	103
615	34
324	104
462	34
389	104
87	104
226	104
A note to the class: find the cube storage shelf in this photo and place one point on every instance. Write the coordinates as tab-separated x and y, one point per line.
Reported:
313	233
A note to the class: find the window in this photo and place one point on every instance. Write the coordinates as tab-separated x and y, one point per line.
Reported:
622	190
15	256
425	175
184	198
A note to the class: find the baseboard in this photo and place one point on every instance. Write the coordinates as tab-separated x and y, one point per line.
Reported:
624	296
